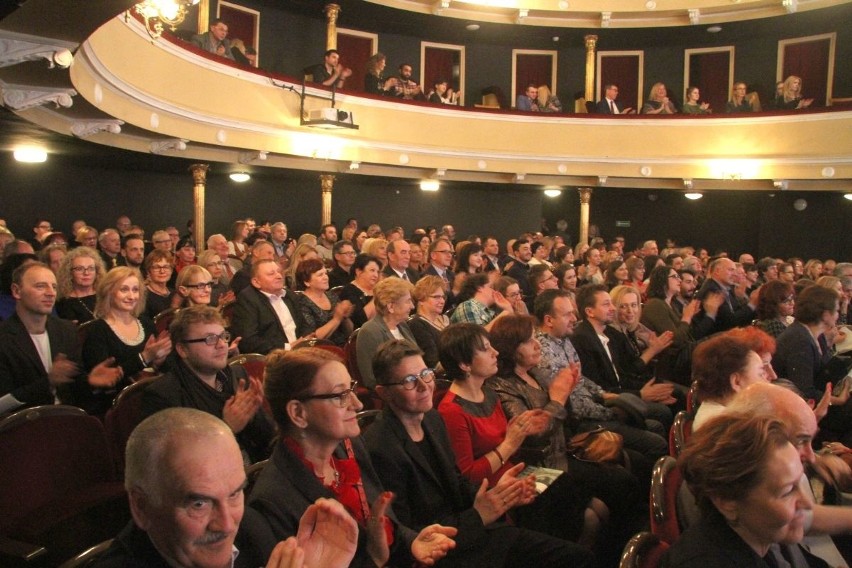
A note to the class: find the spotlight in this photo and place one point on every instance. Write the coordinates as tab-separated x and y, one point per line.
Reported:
240	177
30	155
430	185
694	196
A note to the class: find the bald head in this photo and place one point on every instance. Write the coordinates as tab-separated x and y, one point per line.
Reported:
786	406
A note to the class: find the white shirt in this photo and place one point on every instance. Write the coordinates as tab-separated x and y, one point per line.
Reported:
284	315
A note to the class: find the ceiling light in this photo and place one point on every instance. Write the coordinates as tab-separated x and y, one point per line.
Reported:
430	185
554	192
848	196
472	27
159	12
693	196
240	177
714	29
30	155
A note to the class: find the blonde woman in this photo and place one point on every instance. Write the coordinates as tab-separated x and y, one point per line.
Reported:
658	101
791	95
302	253
430	292
738	101
378	248
194	286
374	83
547	101
219	293
77	279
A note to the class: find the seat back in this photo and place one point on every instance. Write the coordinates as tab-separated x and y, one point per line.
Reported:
692	401
351	356
124	416
666	480
254	364
580	106
366	417
643	550
88	556
163	320
252	473
83	331
680	432
489	101
324	344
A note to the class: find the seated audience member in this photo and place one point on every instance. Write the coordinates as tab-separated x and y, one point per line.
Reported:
283	246
216	40
721	309
775	304
519	268
511	290
77	280
399	258
267	315
374	82
133	250
120	333
693	104
721	367
442	94
540	278
359	292
325	315
302	253
325	242
343	254
392	298
11	261
159	296
750	503
547	101
330	72
200	378
41	230
194	287
440	260
427	324
109	244
52	255
184	455
237	247
219	294
658	101
541	252
469	260
608	104
476	302
774	95
87	236
791	95
243	54
320	455
616	274
813	269
566	277
376	247
738	101
406	87
260	251
184	254
528	101
590	272
411	451
786	272
39	352
416	260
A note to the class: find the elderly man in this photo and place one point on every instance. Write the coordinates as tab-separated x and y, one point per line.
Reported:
649	248
399	256
219	244
266	315
720	310
201	378
261	250
185	481
109	243
215	41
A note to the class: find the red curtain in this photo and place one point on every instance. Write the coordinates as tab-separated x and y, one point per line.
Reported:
354	53
240	24
710	72
533	68
622	70
440	64
809	60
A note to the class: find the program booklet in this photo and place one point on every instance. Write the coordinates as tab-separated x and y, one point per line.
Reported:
544	476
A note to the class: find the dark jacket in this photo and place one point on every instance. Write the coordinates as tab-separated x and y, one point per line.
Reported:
731	314
257	323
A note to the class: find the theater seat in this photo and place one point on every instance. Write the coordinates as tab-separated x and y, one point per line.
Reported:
580	106
254	364
124	416
666	480
88	556
643	550
58	485
324	344
163	320
680	432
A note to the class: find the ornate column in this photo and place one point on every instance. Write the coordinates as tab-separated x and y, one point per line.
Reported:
331	12
203	16
199	180
327	184
585	199
591	42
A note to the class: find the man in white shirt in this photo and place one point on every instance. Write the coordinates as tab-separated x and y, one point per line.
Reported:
607	105
399	257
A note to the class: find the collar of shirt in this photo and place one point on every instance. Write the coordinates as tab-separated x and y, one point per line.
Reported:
273	297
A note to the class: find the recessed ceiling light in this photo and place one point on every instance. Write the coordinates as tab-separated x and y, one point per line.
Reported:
553	192
240	177
693	196
430	185
472	27
30	155
650	5
714	29
848	196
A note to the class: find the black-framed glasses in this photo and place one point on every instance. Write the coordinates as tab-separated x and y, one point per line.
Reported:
83	269
409	382
160	267
199	286
675	276
340	399
210	339
446	252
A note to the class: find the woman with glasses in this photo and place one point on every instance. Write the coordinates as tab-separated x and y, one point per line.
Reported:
325	315
429	321
159	266
776	302
121	334
320	455
77	279
194	286
511	290
210	260
393	306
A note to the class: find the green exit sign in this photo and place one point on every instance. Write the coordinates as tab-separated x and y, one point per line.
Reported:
624	224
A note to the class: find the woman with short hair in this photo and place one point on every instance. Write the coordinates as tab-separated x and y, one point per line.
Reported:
359	292
77	280
776	301
194	286
325	315
159	266
658	101
426	325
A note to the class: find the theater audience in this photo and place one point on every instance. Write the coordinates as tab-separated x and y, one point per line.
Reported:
77	280
406	87
616	274
608	104
330	72
399	260
566	277
261	250
359	292
658	101
302	253
325	316
738	101
528	101
429	321
791	95
158	295
237	247
511	290
590	272
776	302
469	259
693	104
477	301
343	254
52	255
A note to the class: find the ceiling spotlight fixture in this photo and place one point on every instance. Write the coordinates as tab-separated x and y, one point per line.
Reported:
30	155
790	5
800	205
159	12
519	178
781	184
522	15
553	192
687	184
848	196
240	177
714	29
472	27
430	185
693	195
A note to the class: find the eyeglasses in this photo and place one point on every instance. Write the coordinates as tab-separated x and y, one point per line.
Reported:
199	286
161	267
210	339
438	297
347	252
163	241
790	300
409	382
45	227
445	252
341	398
675	276
83	269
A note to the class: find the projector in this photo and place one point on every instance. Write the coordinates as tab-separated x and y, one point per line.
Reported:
329	114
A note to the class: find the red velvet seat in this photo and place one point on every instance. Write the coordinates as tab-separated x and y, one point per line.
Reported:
643	550
163	320
666	480
124	416
254	365
58	484
680	432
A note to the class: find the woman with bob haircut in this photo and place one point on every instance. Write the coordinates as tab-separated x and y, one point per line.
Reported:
776	301
325	315
745	474
320	455
78	277
426	325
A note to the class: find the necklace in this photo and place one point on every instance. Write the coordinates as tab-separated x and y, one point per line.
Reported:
334	484
85	307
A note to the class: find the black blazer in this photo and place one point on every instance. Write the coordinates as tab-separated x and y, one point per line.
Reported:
596	363
413	275
603	107
283	492
798	359
257	323
22	373
731	314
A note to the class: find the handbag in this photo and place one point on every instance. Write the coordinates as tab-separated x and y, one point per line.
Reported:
598	445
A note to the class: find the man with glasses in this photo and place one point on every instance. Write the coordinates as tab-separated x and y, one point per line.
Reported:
219	244
201	378
42	228
411	452
608	104
441	256
344	257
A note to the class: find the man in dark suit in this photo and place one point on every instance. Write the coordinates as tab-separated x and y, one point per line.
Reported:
109	243
441	256
261	250
411	451
40	353
492	256
519	268
344	257
720	310
266	314
608	105
399	256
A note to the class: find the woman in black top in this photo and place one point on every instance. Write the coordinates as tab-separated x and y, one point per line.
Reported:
77	279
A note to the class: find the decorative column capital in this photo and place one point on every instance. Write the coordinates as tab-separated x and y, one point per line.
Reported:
585	195
331	12
199	173
327	182
591	42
